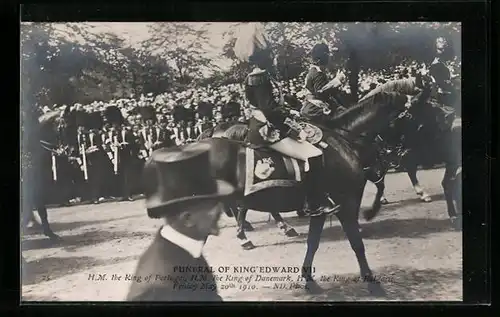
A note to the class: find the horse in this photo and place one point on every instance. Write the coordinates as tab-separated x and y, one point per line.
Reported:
437	130
40	141
344	176
419	138
235	130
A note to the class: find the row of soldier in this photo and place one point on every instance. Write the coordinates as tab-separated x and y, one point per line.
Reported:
105	158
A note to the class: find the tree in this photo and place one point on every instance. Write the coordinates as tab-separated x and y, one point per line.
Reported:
183	46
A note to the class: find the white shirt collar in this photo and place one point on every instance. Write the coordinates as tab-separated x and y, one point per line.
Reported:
194	247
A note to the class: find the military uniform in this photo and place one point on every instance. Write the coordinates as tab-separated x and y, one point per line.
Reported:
205	112
126	151
179	117
98	164
320	104
448	95
259	93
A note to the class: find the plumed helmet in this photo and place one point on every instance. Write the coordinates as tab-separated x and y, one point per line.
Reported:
320	53
251	43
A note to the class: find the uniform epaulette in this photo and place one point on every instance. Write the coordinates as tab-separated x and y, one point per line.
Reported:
256	78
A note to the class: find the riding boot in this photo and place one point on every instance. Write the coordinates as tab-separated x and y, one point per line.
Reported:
318	200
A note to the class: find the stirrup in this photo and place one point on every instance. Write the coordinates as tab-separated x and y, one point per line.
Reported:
332	207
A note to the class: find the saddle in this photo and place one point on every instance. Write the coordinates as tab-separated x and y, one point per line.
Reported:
266	168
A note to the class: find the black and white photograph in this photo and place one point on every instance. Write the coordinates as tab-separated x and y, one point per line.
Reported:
241	161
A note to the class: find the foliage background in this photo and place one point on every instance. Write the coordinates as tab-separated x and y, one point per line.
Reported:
65	63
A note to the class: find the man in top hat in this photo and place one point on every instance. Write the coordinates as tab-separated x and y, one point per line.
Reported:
180	189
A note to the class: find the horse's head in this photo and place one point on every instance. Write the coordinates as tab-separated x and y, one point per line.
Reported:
233	130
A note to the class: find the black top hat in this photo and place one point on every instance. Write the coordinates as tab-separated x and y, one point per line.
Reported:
179	175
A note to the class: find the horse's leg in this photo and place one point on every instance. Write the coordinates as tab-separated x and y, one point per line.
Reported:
42	212
240	234
288	230
301	213
457	191
350	224
381	189
411	170
316	225
369	214
246	224
448	187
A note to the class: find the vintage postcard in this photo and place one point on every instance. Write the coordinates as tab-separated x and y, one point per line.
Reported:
237	161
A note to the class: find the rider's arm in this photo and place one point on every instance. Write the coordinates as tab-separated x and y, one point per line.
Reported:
259	92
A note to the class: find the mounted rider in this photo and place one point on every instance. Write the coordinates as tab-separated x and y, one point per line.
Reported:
447	94
321	104
270	125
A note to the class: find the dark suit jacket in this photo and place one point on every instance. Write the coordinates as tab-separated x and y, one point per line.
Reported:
162	261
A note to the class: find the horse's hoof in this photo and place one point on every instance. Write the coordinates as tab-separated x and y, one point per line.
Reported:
301	214
248	245
368	215
456	223
313	288
241	235
247	226
291	233
52	236
376	289
426	199
384	201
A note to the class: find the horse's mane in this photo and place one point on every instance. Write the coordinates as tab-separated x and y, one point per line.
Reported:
357	114
223	127
206	134
237	132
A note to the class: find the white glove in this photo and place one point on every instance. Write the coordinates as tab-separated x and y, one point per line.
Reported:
294	113
340	76
302	136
